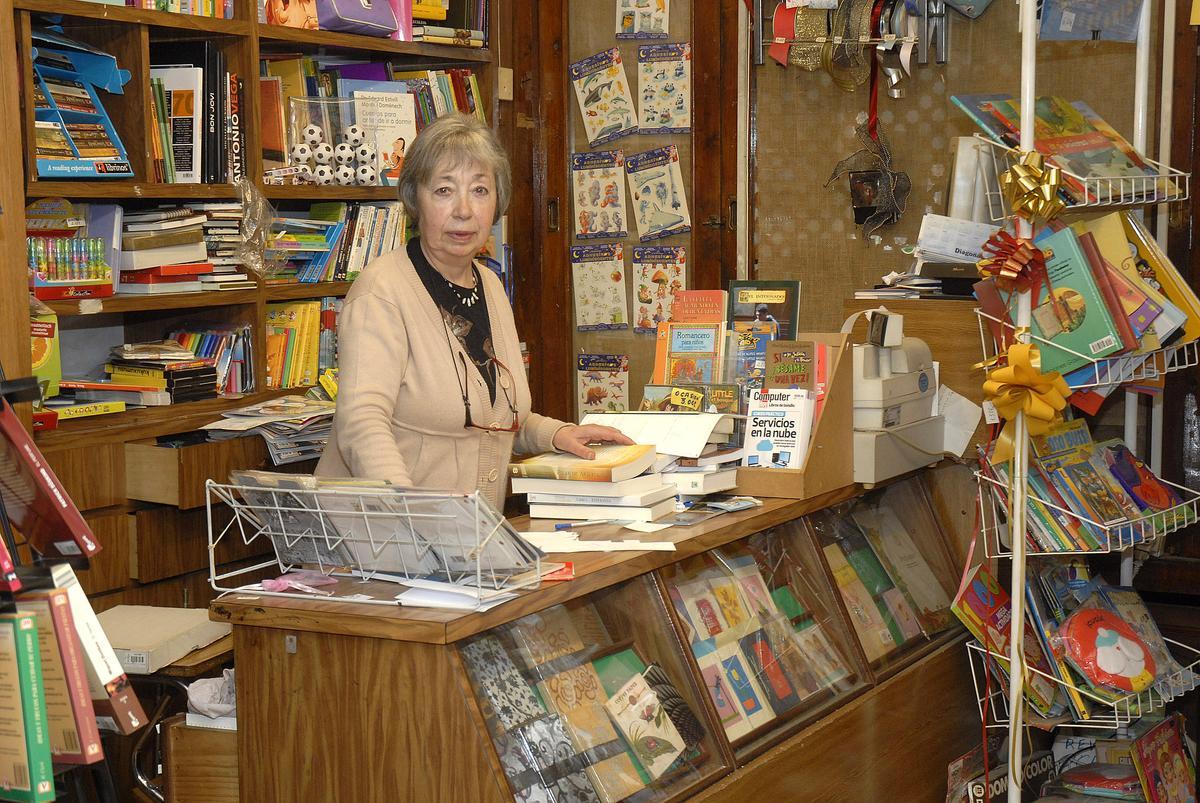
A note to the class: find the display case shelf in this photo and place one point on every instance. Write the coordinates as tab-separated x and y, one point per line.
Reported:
1102	192
991	692
1115	537
1096	374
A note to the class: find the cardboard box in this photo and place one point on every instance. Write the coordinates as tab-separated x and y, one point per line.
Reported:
146	639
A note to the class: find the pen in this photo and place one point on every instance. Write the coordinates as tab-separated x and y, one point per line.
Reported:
577	524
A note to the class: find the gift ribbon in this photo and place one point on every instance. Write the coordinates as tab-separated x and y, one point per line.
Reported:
1020	386
1016	264
1031	188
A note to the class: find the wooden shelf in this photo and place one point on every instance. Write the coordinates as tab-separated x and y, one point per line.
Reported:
284	292
348	41
125	190
137	16
137	303
149	422
311	192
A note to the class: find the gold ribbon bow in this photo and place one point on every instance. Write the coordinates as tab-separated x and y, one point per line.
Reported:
1031	188
1021	386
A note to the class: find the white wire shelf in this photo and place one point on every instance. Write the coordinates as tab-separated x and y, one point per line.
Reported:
1106	713
1104	373
370	534
1116	537
1101	192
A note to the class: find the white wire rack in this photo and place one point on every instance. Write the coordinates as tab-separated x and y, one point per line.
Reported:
1097	374
371	534
1115	537
1101	192
1106	713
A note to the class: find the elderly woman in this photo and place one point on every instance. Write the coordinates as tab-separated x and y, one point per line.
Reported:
431	387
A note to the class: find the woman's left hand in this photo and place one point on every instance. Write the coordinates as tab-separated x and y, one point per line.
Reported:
574	439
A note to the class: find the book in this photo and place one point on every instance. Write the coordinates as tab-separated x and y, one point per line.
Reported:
612	463
390	117
1073	318
702	483
26	773
71	720
790	364
688	353
650	512
185	102
156	289
765	306
640	717
37	502
1164	767
163	224
699	306
112	696
984	608
138	241
778	428
643	499
183	253
635	485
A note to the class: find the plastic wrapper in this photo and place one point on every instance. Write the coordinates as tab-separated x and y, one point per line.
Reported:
257	218
1105	650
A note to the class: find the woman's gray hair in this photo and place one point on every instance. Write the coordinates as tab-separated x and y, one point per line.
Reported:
452	141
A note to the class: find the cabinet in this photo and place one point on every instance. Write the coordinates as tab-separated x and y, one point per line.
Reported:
741	660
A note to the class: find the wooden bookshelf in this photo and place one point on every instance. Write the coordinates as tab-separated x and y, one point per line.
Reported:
135	16
303	290
308	192
126	190
167	301
439	55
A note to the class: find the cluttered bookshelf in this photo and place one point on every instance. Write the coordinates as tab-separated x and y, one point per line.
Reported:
149	134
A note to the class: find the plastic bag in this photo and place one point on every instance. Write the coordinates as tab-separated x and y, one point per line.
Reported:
213	697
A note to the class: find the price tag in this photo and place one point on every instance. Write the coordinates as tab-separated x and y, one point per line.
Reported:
989	413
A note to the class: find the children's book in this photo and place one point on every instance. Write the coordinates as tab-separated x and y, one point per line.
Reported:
687	353
699	306
605	102
665	88
659	199
746	361
764	306
603	383
26	773
1160	273
598	189
598	280
983	606
659	276
791	364
390	120
1163	764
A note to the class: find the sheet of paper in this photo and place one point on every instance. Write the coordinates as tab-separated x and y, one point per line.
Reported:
953	239
646	526
428	598
679	434
962	417
559	543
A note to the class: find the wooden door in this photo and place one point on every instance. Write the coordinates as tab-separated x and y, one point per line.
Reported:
568	31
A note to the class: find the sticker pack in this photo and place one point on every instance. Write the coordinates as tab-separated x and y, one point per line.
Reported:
656	186
665	88
598	188
598	280
603	383
643	19
602	90
659	272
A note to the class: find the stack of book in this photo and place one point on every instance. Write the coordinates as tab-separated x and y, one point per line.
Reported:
295	428
1108	313
223	240
163	251
713	472
163	366
441	35
231	350
1087	496
294	333
613	486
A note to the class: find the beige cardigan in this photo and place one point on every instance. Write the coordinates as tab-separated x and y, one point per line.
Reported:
399	408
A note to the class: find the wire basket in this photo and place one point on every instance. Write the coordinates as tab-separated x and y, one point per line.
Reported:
1106	713
371	534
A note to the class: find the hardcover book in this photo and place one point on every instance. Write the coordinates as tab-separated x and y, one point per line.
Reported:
764	306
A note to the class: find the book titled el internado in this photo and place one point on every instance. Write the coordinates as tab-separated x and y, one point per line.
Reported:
612	464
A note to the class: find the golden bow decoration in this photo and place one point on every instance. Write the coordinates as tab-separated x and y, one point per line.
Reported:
1031	188
1021	386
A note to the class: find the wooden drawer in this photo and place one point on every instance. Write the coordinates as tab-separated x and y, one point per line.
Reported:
166	542
176	476
109	568
200	764
92	476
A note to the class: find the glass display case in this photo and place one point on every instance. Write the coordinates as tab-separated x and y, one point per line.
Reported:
593	701
765	633
893	571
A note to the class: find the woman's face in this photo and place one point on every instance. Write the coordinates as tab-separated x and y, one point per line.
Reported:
456	208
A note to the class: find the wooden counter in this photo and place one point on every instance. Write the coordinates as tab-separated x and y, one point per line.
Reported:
355	702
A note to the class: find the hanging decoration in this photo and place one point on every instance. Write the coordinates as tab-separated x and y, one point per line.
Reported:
1016	264
1031	189
1020	386
890	187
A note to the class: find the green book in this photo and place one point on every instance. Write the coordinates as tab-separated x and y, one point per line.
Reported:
1074	320
26	772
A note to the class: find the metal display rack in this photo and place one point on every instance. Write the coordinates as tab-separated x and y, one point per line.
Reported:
1107	713
370	534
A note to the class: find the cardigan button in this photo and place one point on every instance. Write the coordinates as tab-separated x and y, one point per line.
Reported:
492	475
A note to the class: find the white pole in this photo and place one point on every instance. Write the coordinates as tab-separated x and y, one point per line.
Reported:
1016	513
1165	113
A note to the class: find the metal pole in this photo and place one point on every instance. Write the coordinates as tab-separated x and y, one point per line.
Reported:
1016	513
1165	113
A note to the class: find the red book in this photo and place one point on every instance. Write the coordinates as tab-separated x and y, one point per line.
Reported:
44	420
8	571
37	503
146	277
1119	318
74	736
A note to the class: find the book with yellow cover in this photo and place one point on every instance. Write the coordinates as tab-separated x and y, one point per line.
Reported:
612	463
92	408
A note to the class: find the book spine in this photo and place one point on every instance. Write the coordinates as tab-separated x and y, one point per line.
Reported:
33	708
77	685
9	581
